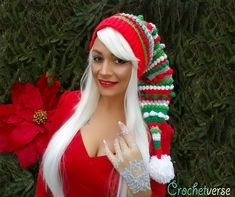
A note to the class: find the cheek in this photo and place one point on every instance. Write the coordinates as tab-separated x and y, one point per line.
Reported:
125	76
94	70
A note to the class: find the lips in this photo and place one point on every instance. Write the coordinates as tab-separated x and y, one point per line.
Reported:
107	84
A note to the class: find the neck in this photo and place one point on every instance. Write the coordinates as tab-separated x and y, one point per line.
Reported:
112	109
111	104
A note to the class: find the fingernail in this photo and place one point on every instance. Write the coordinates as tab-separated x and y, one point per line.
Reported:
105	146
120	123
123	128
104	150
115	141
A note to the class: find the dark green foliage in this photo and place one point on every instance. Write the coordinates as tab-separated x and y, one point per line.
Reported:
41	35
15	181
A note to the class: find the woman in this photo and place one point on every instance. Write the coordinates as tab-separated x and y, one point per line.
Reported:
104	147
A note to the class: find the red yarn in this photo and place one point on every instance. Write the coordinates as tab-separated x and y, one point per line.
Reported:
160	76
149	92
142	98
129	33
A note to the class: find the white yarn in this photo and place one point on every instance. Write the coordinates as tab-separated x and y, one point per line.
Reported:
153	113
161	170
156	87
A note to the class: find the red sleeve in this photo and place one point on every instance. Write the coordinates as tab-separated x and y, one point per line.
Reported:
159	190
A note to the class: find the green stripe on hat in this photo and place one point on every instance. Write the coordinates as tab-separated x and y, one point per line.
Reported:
156	144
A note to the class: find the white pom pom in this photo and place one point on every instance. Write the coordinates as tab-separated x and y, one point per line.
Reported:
161	170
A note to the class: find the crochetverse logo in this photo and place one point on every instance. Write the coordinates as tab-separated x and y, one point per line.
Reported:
195	190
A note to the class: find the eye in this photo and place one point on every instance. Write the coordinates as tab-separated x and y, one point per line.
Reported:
119	61
97	59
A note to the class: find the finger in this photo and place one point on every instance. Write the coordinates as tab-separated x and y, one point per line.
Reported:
118	150
123	127
128	136
109	154
123	145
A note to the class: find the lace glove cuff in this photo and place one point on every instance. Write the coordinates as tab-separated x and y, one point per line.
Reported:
136	176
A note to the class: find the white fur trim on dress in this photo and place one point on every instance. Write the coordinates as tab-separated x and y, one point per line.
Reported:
161	170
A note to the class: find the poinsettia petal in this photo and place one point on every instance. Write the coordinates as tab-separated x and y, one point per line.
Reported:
42	142
14	119
28	97
27	155
25	114
64	110
48	91
50	118
23	134
41	128
6	112
4	144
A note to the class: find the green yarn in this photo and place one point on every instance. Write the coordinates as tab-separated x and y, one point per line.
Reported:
164	82
164	96
173	94
160	53
151	106
156	109
156	69
157	45
156	144
170	81
155	130
155	32
161	66
152	119
140	17
155	96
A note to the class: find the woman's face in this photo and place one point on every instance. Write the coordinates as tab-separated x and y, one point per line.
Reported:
111	73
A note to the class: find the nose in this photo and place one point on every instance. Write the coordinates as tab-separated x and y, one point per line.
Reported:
106	68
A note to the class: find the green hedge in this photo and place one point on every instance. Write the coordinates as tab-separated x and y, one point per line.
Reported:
41	35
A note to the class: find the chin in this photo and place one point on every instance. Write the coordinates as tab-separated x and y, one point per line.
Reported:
110	93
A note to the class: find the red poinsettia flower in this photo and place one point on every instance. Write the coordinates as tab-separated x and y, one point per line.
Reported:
25	125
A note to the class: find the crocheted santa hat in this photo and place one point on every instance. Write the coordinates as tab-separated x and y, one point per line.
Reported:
155	81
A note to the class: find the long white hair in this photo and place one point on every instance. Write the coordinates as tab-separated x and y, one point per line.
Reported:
51	162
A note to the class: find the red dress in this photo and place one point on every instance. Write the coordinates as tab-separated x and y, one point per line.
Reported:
87	176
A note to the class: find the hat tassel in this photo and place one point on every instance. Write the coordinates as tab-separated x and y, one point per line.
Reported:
160	165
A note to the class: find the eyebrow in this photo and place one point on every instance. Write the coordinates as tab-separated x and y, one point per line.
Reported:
96	51
100	53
